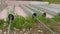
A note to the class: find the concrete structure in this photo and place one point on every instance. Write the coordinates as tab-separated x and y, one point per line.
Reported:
18	10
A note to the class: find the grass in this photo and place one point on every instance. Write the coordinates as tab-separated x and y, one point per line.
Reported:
48	22
29	22
45	20
18	22
53	1
1	23
57	18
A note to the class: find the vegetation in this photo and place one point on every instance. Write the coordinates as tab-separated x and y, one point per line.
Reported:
53	1
1	23
45	20
57	18
18	22
29	22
